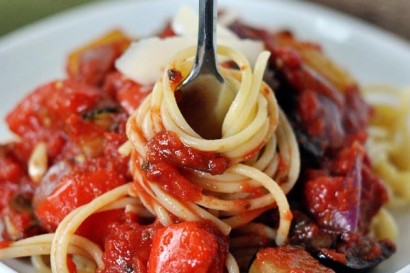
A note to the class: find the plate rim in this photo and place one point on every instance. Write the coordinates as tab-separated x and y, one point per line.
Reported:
24	33
45	26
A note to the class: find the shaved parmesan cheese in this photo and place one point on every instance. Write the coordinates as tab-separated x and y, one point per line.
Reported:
185	23
145	60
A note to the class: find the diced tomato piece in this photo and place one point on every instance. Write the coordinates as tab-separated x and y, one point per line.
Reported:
98	226
15	209
357	112
127	248
166	153
18	224
74	190
325	197
286	259
50	180
335	201
49	105
128	93
41	115
166	146
10	170
92	62
369	206
16	190
188	247
8	189
172	181
85	137
346	158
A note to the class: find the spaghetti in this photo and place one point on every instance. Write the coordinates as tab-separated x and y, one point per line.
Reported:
127	182
257	138
249	124
389	139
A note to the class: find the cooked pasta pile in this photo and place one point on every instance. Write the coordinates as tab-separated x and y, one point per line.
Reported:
255	137
389	139
289	177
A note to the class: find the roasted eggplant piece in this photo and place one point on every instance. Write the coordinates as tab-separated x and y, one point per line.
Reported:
359	259
286	259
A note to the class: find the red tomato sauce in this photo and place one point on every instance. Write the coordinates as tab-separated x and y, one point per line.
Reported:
127	247
82	121
74	190
83	125
167	158
329	117
127	92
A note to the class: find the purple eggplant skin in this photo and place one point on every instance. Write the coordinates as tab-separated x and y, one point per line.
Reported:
355	262
348	220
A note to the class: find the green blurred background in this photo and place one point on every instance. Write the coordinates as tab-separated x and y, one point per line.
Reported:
17	13
392	15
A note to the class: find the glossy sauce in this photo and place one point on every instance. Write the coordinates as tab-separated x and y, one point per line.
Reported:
166	159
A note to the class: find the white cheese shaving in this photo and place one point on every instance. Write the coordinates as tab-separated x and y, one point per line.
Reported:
185	23
145	60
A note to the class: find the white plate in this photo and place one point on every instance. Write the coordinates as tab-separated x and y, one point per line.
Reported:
36	54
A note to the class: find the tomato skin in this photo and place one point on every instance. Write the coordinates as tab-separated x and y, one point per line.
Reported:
74	190
49	105
167	156
16	212
167	147
98	226
10	170
188	247
40	116
16	191
172	181
128	93
127	247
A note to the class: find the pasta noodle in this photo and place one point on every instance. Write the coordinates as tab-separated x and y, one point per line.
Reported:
251	121
254	125
389	139
239	189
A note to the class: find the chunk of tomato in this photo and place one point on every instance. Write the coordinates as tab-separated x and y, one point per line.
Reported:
188	247
75	190
16	190
49	105
41	115
127	247
127	92
98	226
10	169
